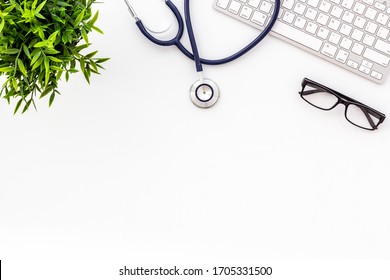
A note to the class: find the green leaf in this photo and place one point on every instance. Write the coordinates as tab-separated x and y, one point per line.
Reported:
28	103
84	35
56	68
51	99
2	24
92	54
40	7
34	5
36	56
46	92
57	18
97	29
18	105
37	63
15	84
101	60
41	44
21	67
26	51
79	18
51	51
94	19
53	37
7	69
11	51
81	47
52	58
47	72
82	65
9	9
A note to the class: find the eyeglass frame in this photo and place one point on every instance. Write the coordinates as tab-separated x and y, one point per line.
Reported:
346	101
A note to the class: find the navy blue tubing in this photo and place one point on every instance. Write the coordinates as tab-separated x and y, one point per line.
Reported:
195	56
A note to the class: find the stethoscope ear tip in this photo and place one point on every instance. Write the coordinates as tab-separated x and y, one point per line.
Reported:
204	94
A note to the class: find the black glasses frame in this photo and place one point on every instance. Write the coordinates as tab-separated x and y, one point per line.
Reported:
344	100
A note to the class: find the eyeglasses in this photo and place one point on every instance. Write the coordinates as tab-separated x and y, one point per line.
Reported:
326	99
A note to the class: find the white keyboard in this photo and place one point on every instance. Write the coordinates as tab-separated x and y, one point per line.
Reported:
353	34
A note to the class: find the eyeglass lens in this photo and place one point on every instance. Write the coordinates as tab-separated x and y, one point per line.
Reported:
358	115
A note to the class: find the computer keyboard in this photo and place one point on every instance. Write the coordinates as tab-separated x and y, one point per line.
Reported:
353	34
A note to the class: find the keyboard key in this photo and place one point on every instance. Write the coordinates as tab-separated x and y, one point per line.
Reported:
300	22
357	34
347	4
367	63
313	3
376	75
334	38
370	13
382	18
311	28
359	8
371	27
288	17
346	43
325	6
364	69
380	6
359	22
369	2
376	57
299	8
336	11
383	32
345	29
259	18
368	40
352	64
357	48
323	19
348	17
254	3
223	3
246	12
342	56
382	46
311	14
323	33
329	50
298	36
266	7
234	7
334	24
288	4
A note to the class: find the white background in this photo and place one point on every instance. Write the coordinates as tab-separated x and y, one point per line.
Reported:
128	169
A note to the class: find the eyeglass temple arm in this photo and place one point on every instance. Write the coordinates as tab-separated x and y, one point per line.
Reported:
373	125
373	112
307	92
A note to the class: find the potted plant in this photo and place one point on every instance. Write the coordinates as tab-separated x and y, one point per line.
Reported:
41	42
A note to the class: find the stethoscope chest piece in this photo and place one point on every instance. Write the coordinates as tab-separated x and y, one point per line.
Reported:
204	94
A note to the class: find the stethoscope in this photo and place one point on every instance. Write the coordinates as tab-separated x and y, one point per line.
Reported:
204	92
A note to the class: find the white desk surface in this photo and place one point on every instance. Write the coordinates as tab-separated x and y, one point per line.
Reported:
128	167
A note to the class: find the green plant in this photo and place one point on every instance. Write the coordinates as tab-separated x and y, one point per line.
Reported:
40	42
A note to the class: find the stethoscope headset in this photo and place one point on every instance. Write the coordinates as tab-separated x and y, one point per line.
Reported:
204	92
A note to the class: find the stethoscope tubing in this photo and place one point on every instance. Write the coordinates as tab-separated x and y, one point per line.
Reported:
195	55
